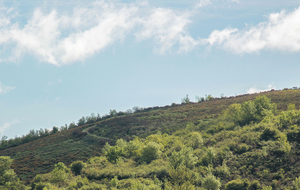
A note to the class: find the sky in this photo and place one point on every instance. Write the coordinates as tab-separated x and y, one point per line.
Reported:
62	59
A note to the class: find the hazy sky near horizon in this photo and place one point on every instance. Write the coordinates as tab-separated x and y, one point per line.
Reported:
62	59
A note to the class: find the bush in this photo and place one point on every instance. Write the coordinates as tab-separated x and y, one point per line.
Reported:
185	100
112	153
183	157
237	184
182	175
255	185
151	152
93	186
195	140
8	177
270	133
210	182
114	182
222	171
77	167
60	174
242	148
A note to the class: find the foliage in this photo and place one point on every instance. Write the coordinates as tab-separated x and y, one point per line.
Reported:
237	184
184	157
185	100
189	146
77	167
8	178
210	182
151	151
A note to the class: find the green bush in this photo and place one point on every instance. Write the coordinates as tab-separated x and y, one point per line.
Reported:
237	184
270	133
184	157
77	167
255	185
93	186
151	152
210	182
112	153
60	174
195	140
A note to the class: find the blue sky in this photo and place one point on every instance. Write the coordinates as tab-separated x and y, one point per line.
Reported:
61	60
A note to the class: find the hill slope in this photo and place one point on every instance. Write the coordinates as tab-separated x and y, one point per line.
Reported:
83	142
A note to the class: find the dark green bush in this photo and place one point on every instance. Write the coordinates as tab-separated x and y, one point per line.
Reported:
77	167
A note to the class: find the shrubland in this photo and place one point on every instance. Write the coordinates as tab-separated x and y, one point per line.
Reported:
253	144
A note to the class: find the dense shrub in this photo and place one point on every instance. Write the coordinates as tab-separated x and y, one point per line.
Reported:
237	184
77	167
210	182
184	157
151	152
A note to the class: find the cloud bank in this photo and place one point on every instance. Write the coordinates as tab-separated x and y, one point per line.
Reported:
65	38
5	89
280	32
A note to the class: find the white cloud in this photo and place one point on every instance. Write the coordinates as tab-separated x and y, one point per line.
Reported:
203	3
256	90
280	32
7	125
168	29
5	89
65	38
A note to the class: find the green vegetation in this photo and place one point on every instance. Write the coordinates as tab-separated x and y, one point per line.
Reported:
247	142
8	178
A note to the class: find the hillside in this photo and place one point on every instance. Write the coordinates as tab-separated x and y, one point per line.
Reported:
86	141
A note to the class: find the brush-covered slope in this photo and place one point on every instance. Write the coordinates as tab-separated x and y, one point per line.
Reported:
86	141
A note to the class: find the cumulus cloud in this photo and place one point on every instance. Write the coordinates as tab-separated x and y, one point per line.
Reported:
65	38
5	89
280	32
256	90
168	29
7	125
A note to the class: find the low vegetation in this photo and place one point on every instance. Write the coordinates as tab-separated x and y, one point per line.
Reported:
252	144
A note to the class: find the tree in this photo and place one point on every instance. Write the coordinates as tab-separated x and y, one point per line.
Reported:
185	100
114	182
54	130
199	99
208	97
8	178
151	152
112	153
81	121
195	140
60	174
210	182
184	157
250	111
77	167
132	148
113	112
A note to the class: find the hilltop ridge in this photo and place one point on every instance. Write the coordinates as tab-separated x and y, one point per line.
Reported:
87	140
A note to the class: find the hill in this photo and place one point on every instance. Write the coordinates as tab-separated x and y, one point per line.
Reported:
87	140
